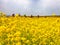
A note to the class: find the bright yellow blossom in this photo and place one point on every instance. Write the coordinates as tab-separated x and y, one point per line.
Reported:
29	31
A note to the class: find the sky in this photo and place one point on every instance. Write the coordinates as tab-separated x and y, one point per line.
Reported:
28	7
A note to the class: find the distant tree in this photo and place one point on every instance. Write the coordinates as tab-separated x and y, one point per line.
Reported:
19	15
24	15
38	16
31	16
13	15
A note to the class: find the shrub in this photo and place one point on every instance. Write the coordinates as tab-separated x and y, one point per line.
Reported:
38	16
24	15
13	15
31	16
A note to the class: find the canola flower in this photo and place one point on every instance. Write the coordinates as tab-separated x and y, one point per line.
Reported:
29	31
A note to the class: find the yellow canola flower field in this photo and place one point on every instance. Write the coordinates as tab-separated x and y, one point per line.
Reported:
29	31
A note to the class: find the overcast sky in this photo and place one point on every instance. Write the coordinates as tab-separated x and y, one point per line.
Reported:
34	7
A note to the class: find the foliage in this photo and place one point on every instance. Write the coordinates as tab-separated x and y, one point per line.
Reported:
24	15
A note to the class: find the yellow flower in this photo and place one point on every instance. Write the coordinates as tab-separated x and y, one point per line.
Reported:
17	38
18	43
34	39
23	38
25	30
17	33
0	43
27	41
33	44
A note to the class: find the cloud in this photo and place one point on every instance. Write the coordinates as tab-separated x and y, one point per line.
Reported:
49	6
5	1
43	7
21	2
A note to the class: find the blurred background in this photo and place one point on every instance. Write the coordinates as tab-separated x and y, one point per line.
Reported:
28	7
